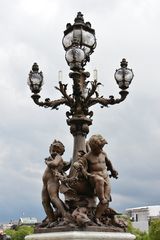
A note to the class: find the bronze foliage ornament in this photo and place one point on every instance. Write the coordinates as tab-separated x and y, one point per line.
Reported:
84	180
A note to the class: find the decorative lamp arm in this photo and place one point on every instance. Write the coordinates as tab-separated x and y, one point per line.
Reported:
123	94
63	89
93	89
54	104
111	101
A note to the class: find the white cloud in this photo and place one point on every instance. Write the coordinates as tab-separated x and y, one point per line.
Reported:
32	31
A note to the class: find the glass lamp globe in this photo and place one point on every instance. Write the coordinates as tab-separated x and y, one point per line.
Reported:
88	39
75	57
67	40
83	36
123	75
35	80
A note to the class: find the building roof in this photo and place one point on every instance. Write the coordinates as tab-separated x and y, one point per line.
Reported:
152	210
28	220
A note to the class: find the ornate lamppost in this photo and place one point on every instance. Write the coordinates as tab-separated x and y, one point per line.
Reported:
79	42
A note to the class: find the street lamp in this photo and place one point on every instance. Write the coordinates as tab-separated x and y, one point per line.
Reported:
79	42
124	75
35	79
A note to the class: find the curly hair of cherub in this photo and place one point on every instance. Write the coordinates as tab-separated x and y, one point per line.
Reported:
58	144
96	140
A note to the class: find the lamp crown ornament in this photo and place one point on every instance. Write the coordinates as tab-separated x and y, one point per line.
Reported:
35	67
79	18
124	63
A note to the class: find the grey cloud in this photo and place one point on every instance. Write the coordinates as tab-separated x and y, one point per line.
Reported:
123	29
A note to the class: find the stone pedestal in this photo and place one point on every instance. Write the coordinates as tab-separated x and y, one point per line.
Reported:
78	235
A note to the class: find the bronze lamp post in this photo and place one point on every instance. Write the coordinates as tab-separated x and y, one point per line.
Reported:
88	167
79	42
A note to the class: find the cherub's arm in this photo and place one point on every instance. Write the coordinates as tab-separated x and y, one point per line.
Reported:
109	165
81	164
66	165
53	162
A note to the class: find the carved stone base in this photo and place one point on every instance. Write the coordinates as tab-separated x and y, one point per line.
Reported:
82	229
81	235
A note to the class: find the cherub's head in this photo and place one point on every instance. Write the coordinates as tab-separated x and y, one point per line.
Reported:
57	147
96	143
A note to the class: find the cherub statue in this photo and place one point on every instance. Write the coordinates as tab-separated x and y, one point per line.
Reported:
50	191
95	166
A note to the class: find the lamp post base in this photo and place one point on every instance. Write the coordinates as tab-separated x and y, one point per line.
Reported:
81	235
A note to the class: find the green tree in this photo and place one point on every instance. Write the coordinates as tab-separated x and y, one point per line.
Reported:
139	235
20	232
154	229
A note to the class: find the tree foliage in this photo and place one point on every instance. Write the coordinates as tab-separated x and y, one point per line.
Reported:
20	232
139	235
154	230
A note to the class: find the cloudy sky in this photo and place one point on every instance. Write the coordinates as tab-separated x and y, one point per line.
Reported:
31	31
